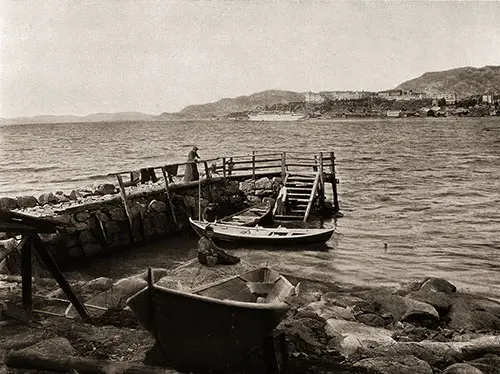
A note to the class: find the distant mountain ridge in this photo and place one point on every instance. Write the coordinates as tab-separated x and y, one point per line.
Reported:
465	81
95	117
238	104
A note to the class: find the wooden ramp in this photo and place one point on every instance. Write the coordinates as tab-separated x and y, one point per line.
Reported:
302	191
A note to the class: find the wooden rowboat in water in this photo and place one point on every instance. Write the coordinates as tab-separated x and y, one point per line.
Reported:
215	326
251	216
264	235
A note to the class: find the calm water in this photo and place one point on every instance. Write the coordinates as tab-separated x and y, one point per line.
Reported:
428	188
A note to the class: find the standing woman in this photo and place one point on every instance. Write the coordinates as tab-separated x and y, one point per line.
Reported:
191	173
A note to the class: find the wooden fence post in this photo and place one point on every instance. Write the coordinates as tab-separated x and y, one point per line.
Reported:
283	165
167	194
253	164
207	176
321	178
224	167
125	206
334	183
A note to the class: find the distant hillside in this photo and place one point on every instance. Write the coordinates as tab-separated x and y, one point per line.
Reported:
464	82
237	104
96	117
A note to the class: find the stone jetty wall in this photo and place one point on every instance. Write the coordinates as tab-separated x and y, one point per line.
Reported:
93	221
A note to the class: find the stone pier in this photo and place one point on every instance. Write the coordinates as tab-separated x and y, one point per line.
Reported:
93	221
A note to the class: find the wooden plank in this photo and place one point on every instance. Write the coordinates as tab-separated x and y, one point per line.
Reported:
125	206
250	161
305	164
257	152
311	198
167	194
29	359
103	240
334	183
288	217
26	274
144	231
253	164
283	165
321	189
299	200
209	187
249	168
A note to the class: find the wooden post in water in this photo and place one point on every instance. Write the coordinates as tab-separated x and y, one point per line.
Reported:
321	178
334	183
125	206
224	167
253	164
167	194
283	165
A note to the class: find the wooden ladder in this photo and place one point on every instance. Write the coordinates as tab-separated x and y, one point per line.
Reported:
302	190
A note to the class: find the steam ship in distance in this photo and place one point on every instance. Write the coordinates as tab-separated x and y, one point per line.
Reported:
275	116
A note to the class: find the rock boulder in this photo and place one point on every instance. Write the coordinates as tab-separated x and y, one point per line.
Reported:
395	365
8	203
26	201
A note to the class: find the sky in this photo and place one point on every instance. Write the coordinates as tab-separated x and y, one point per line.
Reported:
82	57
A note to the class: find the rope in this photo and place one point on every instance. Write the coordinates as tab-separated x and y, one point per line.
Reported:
199	199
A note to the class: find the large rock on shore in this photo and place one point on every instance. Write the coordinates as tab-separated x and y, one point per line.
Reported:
462	368
105	189
395	365
26	201
348	337
8	203
328	311
437	292
388	304
474	313
434	353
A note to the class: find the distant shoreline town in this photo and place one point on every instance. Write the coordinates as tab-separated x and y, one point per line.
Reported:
289	106
388	103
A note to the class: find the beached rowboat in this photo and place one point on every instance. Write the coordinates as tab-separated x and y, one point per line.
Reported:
264	235
213	327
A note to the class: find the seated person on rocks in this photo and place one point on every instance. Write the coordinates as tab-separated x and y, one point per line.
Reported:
210	254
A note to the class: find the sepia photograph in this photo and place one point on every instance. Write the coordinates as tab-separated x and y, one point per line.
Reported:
240	187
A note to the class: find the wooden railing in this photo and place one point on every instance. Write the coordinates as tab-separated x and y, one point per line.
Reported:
314	192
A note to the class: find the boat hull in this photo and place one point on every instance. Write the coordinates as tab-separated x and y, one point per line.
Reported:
263	235
251	216
275	117
199	333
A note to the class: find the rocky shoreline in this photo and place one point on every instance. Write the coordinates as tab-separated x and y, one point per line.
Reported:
427	326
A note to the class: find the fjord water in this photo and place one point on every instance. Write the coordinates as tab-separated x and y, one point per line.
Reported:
428	188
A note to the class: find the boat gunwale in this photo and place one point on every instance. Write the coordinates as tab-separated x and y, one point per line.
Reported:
312	233
226	302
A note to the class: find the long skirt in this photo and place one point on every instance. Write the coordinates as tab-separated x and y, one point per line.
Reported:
191	173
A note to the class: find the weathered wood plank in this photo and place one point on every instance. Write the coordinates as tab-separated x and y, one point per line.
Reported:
26	359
